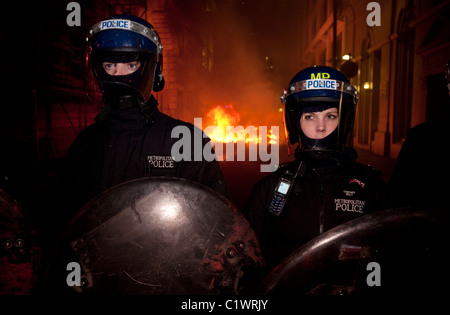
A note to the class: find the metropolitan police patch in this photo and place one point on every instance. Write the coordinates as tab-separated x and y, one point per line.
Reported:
349	205
160	161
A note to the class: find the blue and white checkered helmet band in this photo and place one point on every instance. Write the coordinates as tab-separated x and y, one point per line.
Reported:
319	84
127	25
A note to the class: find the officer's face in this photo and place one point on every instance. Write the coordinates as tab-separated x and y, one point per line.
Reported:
112	68
318	125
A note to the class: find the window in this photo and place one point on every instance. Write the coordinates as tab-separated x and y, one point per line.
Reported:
404	70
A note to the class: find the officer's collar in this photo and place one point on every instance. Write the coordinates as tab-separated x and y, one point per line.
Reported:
325	169
129	117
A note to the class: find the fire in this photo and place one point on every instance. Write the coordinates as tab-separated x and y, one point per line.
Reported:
227	118
222	117
273	139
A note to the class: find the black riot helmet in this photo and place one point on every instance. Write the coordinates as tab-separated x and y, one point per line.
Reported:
316	89
121	39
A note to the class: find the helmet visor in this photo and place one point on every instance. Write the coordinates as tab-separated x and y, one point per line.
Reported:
336	139
140	82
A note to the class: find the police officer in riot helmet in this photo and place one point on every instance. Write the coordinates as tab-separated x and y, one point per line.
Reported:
130	138
324	187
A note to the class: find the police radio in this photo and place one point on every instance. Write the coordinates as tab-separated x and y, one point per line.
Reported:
282	190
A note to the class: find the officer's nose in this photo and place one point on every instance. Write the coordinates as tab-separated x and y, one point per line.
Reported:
120	69
320	128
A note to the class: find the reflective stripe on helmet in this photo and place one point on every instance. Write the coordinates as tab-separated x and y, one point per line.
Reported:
127	25
319	84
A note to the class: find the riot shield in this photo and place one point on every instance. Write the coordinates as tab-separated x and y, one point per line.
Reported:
155	236
392	252
20	251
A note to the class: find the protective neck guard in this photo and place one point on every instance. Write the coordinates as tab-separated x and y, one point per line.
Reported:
121	102
129	101
347	156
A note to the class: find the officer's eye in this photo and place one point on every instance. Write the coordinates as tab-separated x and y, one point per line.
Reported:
134	65
107	65
308	116
332	116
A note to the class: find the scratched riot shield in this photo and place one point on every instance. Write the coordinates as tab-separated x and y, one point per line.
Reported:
392	252
20	250
155	236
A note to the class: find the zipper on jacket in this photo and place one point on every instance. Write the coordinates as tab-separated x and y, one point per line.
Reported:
321	209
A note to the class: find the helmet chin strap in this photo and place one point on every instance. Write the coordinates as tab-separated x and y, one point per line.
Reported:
147	109
340	112
321	155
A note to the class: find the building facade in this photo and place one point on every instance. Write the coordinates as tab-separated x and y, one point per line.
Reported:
401	62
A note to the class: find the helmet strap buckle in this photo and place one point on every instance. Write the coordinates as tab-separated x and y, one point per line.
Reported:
147	109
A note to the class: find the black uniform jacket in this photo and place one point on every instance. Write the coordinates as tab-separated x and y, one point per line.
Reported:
327	195
124	147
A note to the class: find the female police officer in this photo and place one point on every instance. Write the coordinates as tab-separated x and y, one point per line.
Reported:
324	186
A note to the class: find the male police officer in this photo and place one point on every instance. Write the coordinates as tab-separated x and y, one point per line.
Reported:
130	138
324	187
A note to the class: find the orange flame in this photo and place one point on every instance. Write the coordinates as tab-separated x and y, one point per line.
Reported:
226	116
222	117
